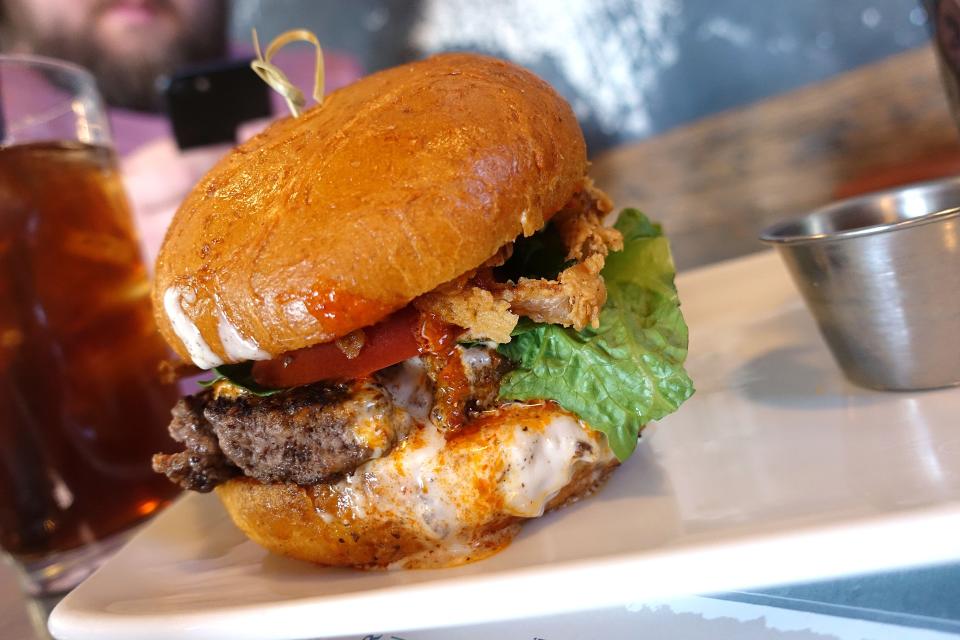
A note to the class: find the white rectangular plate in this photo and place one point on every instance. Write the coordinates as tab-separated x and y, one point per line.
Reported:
776	471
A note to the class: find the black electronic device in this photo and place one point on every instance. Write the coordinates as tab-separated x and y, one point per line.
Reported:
206	103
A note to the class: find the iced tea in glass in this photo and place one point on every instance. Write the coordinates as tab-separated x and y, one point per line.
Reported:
82	407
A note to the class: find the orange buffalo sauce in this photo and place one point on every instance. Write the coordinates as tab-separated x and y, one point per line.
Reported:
435	501
451	387
438	498
339	312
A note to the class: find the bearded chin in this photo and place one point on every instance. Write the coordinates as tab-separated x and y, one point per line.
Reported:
130	81
131	84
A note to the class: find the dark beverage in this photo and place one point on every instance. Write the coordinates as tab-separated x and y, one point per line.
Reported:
81	406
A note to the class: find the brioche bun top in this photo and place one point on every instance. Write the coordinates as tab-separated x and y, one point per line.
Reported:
326	223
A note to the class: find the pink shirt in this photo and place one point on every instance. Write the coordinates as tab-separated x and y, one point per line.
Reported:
158	175
132	129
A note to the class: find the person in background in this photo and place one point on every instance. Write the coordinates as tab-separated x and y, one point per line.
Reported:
946	16
129	45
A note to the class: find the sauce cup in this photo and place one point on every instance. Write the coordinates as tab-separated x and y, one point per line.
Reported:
881	275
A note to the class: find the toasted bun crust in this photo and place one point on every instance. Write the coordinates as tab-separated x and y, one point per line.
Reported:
326	223
386	523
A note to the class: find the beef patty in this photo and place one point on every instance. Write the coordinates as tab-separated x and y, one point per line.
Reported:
310	434
303	435
202	466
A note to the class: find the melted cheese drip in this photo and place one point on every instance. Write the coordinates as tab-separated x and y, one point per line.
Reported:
408	385
372	429
223	388
186	330
511	461
542	463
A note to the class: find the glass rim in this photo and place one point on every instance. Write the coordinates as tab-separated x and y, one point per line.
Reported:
34	60
80	95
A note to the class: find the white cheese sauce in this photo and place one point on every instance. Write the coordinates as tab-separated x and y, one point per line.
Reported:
189	334
514	464
540	464
235	346
376	426
475	359
407	383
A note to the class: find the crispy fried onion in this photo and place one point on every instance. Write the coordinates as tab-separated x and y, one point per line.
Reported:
351	344
489	310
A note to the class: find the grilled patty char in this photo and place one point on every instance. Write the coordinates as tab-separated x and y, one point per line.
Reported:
303	435
310	434
202	466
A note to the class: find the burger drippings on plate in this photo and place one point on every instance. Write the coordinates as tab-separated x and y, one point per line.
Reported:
317	432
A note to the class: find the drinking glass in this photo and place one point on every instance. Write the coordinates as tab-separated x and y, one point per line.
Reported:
82	407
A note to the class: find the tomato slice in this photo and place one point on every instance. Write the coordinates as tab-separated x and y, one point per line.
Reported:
388	342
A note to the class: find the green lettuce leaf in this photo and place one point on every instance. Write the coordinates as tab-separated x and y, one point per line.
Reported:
241	375
629	370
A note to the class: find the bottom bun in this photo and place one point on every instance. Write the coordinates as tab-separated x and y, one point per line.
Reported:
434	501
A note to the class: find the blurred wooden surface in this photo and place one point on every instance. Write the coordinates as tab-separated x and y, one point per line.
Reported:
716	183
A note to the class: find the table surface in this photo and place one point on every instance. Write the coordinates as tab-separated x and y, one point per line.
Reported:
715	184
20	618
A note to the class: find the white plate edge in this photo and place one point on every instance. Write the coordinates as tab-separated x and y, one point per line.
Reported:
913	537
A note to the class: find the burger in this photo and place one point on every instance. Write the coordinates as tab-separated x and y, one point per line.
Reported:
420	331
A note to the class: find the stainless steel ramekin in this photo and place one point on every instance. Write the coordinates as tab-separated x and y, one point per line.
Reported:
881	274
